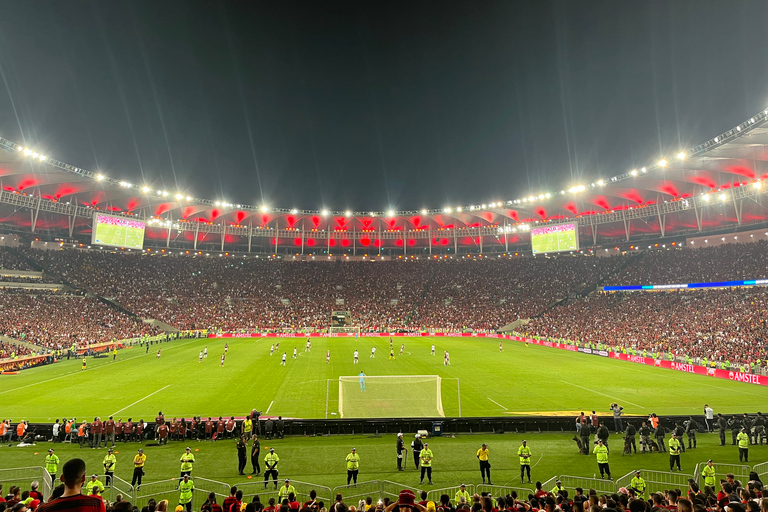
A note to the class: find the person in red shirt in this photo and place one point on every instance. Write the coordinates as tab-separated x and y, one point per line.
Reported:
182	429
231	502
173	428
211	504
119	429
109	429
231	427
208	428
159	420
96	433
193	429
271	507
139	431
34	493
73	476
128	430
162	433
219	428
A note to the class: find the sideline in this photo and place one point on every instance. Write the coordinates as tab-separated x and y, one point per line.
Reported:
497	403
607	396
141	400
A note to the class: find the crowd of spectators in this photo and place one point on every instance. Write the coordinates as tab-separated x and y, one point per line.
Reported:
9	260
54	322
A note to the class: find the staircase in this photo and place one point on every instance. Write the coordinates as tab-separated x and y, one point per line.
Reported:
20	343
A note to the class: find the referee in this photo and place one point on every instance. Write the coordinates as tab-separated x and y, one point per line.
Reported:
485	465
353	466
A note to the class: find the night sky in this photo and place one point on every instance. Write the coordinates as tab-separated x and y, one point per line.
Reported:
375	105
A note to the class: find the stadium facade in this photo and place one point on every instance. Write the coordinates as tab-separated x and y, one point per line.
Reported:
717	186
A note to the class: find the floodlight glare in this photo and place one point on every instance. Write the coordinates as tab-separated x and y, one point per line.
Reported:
325	212
179	197
145	189
662	163
347	213
681	155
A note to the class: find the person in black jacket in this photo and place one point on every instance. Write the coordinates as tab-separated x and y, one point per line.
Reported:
645	436
417	446
400	450
735	425
241	451
722	424
758	426
603	433
679	431
659	433
629	435
255	451
690	430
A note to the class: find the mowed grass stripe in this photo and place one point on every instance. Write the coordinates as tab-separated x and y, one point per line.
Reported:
523	379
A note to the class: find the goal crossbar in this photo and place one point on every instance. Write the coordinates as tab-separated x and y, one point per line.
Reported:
390	396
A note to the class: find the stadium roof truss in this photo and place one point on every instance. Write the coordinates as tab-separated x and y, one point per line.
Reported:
720	184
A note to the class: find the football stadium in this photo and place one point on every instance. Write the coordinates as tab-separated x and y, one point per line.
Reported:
595	345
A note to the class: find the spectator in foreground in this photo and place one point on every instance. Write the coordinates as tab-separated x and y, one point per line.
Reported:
73	476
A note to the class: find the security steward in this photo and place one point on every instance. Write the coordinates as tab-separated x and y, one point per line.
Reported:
638	485
485	464
645	437
353	466
270	467
675	447
629	435
52	464
743	440
242	450
462	493
417	445
709	477
722	425
426	463
525	461
255	451
186	488
109	465
659	433
400	450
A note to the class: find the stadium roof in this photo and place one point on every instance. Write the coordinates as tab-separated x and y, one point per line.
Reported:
716	185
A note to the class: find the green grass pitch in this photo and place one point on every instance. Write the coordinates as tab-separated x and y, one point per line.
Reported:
554	242
519	380
119	236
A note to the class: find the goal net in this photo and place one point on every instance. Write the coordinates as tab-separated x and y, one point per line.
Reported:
390	396
347	329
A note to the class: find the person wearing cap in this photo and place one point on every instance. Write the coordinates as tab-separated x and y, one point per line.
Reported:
709	477
407	501
525	461
675	447
400	450
138	468
638	485
186	488
485	464
417	445
109	463
187	459
558	487
353	466
52	465
286	490
426	463
601	452
743	440
270	467
73	477
94	487
462	494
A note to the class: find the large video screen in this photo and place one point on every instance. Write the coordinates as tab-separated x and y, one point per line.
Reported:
563	237
117	231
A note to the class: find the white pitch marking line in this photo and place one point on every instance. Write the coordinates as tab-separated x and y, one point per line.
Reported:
497	403
268	408
140	400
607	396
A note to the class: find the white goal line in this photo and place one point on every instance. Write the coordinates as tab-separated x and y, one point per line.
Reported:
391	377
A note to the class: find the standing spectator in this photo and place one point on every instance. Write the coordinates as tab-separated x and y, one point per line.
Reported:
73	475
96	431
485	464
138	469
52	465
524	452
56	430
617	412
709	417
162	433
426	463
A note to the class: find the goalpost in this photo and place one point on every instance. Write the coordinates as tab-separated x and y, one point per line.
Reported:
390	396
347	330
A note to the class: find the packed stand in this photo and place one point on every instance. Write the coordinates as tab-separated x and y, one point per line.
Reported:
729	324
10	261
55	322
728	262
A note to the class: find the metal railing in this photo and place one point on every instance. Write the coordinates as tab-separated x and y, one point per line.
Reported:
302	490
740	471
204	486
359	491
503	490
656	481
761	470
392	490
160	490
434	494
22	477
571	482
118	486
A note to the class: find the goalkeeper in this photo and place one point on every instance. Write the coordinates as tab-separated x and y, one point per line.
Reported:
361	376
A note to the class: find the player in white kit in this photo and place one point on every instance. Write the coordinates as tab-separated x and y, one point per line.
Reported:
272	349
356	354
447	361
295	352
222	359
373	351
205	353
433	349
200	358
402	347
284	358
501	346
309	346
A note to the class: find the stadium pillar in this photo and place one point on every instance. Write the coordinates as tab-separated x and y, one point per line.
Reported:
170	225
405	244
197	230
37	210
662	218
302	238
223	233
250	234
626	223
455	243
594	229
71	219
736	207
429	232
481	243
697	212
